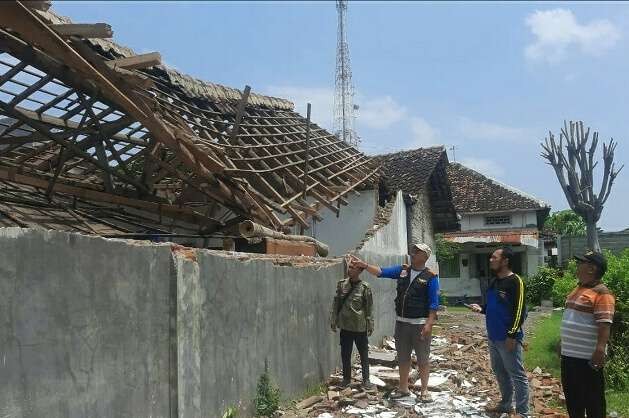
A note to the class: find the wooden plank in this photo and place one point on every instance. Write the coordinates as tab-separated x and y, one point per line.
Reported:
136	62
84	30
284	247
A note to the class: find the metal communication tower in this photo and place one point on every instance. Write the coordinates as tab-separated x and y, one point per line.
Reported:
343	88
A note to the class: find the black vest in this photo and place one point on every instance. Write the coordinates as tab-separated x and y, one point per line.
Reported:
412	301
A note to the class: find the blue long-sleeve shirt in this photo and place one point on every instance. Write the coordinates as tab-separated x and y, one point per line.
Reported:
393	272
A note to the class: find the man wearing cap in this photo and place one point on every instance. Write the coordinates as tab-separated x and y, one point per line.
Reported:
585	328
416	306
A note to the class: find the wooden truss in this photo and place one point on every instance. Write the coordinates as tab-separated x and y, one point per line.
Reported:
85	120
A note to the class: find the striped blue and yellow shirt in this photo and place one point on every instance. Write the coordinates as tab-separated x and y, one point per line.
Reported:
505	310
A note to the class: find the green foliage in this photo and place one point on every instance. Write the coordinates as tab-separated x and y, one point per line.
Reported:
445	250
443	299
231	412
267	395
565	222
540	285
565	284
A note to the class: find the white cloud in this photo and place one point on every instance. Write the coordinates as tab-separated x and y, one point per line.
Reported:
472	129
485	166
557	30
321	99
380	112
424	135
374	112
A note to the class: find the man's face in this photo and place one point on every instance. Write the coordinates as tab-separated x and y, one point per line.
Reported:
586	272
418	256
496	261
354	272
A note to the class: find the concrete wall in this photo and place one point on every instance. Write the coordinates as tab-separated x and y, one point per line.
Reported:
420	227
473	222
612	241
236	311
84	326
388	246
459	287
344	233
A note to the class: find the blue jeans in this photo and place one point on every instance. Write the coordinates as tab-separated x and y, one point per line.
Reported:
510	374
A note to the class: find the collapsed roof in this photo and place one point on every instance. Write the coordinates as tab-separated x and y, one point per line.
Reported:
96	138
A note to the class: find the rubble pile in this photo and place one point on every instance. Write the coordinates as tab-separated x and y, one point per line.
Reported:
461	383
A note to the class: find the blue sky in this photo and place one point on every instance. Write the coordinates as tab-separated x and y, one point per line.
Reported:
489	79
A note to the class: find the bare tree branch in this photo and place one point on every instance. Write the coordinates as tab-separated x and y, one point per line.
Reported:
573	162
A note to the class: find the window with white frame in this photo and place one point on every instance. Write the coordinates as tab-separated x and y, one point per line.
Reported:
498	220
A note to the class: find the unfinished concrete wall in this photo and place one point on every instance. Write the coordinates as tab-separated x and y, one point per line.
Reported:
84	326
420	226
387	246
236	311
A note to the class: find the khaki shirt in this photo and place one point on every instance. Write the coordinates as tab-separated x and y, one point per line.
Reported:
355	314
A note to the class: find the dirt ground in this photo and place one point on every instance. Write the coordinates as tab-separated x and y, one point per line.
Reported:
461	381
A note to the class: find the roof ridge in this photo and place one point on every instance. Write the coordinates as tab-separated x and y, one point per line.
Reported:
505	186
206	89
433	147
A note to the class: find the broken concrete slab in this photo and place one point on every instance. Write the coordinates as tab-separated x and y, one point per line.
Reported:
385	358
308	402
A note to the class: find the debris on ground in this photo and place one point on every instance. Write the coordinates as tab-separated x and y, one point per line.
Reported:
461	382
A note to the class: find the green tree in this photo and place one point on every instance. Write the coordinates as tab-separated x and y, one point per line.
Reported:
445	250
565	222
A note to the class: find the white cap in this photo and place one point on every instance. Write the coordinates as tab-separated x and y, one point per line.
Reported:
423	247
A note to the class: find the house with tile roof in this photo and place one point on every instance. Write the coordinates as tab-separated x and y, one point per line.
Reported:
491	214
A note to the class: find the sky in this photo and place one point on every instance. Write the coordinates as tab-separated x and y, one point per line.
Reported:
486	80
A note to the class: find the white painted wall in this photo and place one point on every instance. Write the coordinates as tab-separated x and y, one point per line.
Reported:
473	222
391	239
345	232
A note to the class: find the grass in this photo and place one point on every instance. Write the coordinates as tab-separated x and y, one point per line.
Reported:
542	352
457	309
542	349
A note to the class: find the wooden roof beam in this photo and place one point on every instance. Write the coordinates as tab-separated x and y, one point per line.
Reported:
84	30
136	62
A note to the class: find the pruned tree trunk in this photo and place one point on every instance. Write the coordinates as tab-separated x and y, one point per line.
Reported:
574	166
592	235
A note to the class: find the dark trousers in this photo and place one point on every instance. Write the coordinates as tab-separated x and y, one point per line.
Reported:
348	338
583	387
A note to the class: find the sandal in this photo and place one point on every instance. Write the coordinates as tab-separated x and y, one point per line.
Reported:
425	397
396	394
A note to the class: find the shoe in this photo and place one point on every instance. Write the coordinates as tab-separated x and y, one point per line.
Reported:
368	386
498	408
345	383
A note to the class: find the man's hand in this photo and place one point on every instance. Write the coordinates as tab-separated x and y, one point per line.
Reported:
598	358
369	332
333	327
510	344
475	307
426	331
